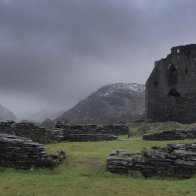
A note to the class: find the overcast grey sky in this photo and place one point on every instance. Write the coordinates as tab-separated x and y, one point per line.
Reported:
53	53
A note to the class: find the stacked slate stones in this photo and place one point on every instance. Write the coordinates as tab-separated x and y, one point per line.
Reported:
63	132
116	129
22	153
91	132
32	131
172	135
174	160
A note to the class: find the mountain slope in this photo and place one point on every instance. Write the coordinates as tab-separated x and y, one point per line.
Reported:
6	114
115	102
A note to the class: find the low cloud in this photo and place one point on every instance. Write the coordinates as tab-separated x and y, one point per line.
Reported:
54	53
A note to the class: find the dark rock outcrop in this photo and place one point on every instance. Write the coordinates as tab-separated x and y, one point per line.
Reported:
171	135
109	104
20	152
174	160
170	89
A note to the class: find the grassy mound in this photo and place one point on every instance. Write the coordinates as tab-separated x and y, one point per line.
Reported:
138	129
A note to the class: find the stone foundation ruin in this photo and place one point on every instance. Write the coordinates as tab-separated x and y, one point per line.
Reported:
91	132
174	160
30	130
115	129
22	153
63	132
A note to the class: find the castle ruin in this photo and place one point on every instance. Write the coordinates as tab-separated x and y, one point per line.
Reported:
171	87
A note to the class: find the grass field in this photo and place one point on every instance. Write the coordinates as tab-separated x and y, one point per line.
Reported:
83	174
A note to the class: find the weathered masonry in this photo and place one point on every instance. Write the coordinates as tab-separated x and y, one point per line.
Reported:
171	87
174	160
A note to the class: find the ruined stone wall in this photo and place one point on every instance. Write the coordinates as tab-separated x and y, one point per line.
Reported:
115	129
20	152
29	130
174	160
90	132
62	132
170	89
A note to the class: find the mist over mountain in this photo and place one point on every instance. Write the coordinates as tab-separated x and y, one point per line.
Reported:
6	114
55	52
44	114
111	103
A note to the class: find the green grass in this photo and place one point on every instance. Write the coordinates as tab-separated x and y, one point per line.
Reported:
83	174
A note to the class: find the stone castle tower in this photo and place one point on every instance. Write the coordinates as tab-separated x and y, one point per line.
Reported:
171	87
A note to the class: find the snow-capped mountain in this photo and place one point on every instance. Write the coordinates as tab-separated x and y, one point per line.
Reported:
115	102
6	114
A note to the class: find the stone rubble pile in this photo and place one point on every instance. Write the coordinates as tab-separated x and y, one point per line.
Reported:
171	135
174	160
22	153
